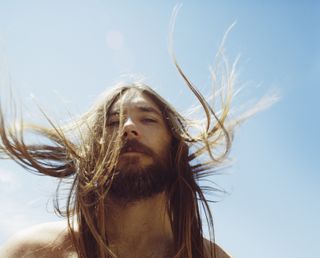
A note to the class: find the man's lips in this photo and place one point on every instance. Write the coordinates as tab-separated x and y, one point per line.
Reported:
134	146
130	150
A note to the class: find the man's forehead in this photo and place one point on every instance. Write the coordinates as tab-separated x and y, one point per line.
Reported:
138	101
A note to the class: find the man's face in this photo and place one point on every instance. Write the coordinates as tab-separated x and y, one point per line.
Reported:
144	166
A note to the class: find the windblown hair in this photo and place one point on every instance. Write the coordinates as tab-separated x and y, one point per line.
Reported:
85	153
90	160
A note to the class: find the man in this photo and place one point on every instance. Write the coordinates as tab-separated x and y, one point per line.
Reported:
132	163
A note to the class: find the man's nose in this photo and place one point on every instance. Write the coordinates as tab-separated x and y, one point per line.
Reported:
130	129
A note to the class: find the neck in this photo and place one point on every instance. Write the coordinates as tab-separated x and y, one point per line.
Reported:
140	224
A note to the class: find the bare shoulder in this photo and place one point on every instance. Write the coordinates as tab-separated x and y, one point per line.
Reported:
43	240
216	249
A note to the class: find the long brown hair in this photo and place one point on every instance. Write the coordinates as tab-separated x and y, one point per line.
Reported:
84	153
89	159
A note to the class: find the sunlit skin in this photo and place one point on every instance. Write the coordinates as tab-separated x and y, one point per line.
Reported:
143	121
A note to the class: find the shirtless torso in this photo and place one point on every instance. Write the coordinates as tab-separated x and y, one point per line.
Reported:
52	240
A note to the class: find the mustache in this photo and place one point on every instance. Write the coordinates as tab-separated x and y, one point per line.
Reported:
134	145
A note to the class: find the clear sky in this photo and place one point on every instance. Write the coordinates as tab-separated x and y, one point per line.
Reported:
67	52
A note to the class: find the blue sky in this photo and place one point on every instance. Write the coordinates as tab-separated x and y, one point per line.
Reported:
67	52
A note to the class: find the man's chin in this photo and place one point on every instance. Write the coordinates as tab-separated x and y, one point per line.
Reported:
135	182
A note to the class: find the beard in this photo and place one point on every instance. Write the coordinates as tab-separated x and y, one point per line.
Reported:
134	182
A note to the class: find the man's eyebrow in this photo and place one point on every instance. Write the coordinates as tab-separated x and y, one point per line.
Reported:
150	109
147	109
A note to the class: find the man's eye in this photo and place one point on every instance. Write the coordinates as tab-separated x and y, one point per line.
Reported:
149	120
113	123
